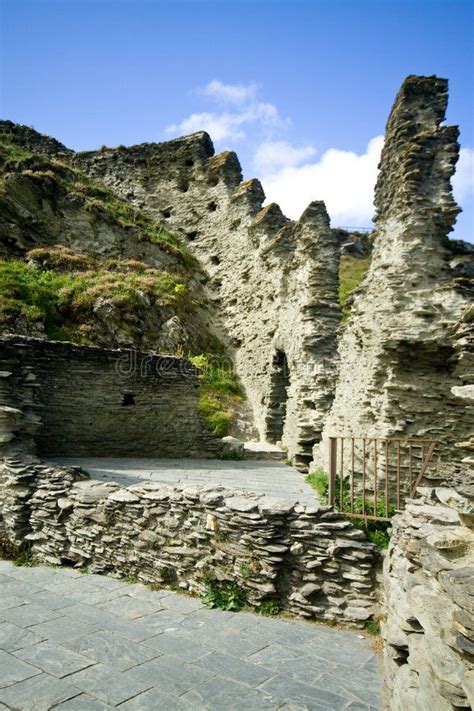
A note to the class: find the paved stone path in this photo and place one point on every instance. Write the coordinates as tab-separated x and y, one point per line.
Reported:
260	476
79	642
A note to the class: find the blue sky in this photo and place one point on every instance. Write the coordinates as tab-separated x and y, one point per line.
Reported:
301	90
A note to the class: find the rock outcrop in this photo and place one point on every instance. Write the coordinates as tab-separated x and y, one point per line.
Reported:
398	357
272	283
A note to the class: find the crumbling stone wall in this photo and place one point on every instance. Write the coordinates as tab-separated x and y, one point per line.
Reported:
271	283
64	399
428	578
308	560
398	360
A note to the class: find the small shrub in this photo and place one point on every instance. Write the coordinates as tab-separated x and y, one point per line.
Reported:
26	560
269	608
372	627
376	531
132	579
245	570
226	595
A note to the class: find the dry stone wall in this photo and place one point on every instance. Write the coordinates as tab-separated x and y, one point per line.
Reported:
308	560
81	401
271	283
429	598
398	357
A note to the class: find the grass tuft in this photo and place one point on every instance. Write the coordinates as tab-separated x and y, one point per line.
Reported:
377	532
352	271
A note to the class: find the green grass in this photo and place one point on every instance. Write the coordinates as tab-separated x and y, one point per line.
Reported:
225	595
319	481
96	198
25	560
376	531
63	301
11	154
268	608
212	409
351	273
220	391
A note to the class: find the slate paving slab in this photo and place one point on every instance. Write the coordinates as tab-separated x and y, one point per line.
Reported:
13	637
54	658
13	670
66	646
108	685
113	650
39	693
218	694
84	702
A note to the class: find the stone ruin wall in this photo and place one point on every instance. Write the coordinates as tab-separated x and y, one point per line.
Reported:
429	605
398	360
61	399
271	283
308	560
428	579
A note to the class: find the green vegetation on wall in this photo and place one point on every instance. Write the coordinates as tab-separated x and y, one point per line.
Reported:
59	288
352	271
95	198
221	391
376	531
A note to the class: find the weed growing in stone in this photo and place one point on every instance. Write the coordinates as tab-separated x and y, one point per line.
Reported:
221	392
225	595
372	627
26	560
269	608
377	532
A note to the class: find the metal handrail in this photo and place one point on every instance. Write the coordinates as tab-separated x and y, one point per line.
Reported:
376	474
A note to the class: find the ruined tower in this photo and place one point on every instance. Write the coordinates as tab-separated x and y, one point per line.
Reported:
398	362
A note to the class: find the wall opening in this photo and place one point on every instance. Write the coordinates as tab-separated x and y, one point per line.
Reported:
276	413
128	399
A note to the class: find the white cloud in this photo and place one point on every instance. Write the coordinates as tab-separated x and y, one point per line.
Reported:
274	155
463	179
343	179
229	93
240	107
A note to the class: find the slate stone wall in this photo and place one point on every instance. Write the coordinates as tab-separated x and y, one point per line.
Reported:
80	401
398	357
272	283
307	560
429	598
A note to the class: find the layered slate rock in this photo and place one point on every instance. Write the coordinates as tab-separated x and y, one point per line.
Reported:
398	357
307	560
271	283
429	598
63	399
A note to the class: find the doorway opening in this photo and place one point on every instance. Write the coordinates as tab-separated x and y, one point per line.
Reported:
276	413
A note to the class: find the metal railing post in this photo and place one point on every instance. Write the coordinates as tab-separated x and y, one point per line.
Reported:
332	470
